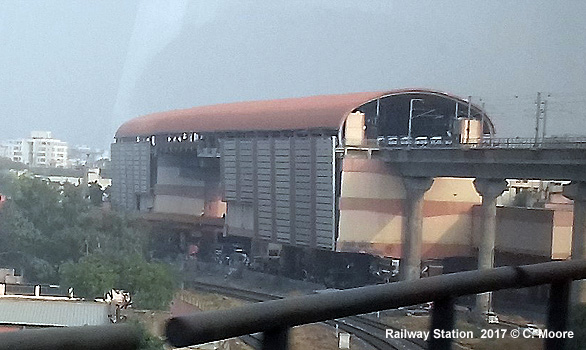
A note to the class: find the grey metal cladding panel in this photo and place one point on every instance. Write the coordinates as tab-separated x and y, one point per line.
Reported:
324	143
324	180
323	172
302	144
282	197
265	212
283	229
324	193
263	152
282	144
282	181
323	245
265	215
264	233
263	189
324	237
324	186
263	178
304	217
302	214
302	233
264	198
265	222
325	200
282	152
302	186
326	227
302	177
283	210
302	226
283	221
263	144
228	144
303	202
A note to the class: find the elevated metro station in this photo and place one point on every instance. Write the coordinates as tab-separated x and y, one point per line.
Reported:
299	176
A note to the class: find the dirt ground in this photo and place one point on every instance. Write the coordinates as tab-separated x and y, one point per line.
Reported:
308	337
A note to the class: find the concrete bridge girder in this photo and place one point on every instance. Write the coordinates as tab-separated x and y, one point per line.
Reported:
565	164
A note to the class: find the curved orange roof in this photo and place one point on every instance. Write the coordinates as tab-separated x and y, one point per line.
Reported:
326	111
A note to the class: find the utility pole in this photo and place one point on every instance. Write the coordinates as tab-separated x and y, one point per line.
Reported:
537	116
468	119
482	122
544	117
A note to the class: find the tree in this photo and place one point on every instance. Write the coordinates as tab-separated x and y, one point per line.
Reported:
91	277
151	285
19	244
95	193
52	232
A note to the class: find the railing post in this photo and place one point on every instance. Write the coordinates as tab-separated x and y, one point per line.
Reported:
442	319
557	313
276	339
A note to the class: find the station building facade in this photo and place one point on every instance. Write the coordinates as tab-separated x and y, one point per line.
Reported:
297	172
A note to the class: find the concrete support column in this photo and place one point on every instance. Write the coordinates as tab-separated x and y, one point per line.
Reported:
489	189
576	191
415	188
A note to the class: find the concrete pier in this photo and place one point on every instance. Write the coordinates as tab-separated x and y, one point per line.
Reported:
489	189
415	188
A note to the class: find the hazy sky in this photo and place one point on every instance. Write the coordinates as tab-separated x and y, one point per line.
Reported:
82	68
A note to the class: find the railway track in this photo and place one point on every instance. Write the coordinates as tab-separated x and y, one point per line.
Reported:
368	330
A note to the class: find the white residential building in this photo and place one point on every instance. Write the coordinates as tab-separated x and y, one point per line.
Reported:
40	150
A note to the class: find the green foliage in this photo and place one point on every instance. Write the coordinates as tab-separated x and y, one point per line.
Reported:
49	231
95	193
7	163
91	276
152	285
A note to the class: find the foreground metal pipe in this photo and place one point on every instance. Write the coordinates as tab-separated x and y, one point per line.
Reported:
215	325
119	337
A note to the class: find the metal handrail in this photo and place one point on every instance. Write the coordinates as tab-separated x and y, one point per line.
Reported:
119	337
274	318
